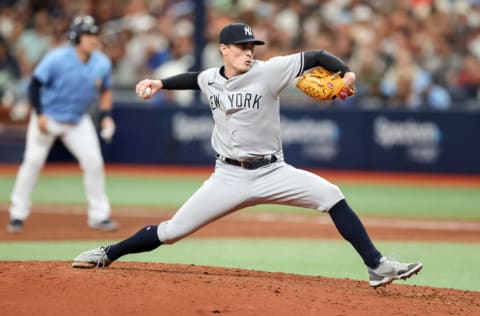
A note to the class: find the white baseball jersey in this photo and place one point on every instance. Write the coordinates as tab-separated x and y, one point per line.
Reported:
246	108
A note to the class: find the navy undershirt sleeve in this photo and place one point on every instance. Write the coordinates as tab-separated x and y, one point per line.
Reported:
34	94
317	58
185	81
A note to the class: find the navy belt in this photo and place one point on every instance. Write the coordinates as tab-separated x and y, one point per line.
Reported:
250	164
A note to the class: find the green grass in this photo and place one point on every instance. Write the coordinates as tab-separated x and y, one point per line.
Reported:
139	191
169	192
448	265
415	201
453	265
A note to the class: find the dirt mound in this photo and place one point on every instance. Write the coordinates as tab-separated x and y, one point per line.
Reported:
126	288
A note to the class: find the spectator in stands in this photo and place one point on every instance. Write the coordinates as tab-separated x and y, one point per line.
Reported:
181	60
441	36
468	81
405	82
9	72
34	42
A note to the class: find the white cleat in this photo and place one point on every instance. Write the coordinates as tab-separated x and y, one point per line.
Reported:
96	258
389	270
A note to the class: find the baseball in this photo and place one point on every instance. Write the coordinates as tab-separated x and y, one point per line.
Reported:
146	93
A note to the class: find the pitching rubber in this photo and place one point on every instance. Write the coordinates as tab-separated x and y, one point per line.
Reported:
83	265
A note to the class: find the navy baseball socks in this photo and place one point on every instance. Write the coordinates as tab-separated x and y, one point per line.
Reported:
146	239
381	270
352	229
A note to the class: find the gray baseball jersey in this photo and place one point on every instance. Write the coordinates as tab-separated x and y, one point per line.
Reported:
247	125
246	108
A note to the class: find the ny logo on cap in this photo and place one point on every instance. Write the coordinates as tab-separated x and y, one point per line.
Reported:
248	31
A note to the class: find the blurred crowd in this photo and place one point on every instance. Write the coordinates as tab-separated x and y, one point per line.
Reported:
409	54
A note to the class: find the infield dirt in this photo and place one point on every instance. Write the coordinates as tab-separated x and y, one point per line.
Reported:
128	288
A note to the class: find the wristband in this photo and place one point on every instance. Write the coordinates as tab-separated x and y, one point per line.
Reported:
105	113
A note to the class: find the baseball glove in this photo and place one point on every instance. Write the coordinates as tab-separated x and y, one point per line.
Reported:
324	85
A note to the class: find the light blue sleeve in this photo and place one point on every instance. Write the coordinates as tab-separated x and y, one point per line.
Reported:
45	70
107	81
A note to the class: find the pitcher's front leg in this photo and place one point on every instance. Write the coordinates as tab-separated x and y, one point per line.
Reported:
223	193
215	199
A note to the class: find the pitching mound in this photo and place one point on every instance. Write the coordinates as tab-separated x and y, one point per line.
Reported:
126	288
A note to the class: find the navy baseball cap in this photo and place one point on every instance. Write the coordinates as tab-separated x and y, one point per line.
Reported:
237	33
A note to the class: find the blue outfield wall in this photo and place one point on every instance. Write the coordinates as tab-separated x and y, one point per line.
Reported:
446	142
312	138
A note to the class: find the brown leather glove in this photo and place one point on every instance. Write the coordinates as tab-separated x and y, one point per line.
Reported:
324	85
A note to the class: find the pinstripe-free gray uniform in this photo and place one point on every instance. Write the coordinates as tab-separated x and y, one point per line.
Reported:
246	111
